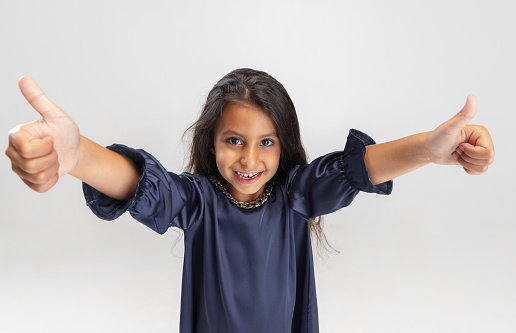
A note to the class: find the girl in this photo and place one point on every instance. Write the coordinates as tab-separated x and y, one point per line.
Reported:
250	203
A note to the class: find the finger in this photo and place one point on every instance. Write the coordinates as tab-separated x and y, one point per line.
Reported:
481	138
465	115
471	168
41	188
473	160
35	165
39	178
30	147
473	172
476	152
35	96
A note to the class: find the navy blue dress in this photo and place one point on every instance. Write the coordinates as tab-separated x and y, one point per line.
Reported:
245	270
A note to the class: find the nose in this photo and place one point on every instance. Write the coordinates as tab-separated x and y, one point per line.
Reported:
250	157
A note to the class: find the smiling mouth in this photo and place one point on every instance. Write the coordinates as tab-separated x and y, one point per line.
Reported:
248	176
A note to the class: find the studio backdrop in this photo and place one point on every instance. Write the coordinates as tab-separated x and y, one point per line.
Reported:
438	255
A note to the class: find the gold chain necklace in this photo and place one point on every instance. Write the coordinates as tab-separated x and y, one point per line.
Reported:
247	205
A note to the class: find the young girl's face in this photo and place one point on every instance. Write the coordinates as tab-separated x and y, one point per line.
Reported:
247	150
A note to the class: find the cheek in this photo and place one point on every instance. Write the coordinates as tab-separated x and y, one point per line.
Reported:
274	161
222	158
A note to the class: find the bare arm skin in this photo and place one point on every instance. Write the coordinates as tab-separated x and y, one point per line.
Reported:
111	173
389	160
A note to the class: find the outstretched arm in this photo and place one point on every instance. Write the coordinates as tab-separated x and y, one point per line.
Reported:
43	151
453	142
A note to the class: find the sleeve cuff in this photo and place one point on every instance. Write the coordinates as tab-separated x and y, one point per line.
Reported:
354	164
106	207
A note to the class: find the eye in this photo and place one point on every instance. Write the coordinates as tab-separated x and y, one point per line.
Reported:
233	141
267	142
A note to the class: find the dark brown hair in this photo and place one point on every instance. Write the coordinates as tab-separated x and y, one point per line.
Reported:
258	88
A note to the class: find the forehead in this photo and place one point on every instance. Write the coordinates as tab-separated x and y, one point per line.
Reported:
245	119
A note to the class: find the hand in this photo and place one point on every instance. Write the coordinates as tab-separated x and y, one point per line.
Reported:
456	142
43	151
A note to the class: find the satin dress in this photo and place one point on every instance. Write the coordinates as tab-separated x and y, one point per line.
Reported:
244	270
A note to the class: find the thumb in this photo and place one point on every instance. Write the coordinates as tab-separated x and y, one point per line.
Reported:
465	115
35	96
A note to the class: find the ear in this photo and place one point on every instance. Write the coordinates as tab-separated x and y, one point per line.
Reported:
212	150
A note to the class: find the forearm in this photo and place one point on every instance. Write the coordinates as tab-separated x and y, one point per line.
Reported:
111	173
386	161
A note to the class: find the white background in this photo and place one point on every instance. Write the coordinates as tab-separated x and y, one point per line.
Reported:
438	255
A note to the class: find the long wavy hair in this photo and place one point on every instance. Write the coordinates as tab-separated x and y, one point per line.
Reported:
260	89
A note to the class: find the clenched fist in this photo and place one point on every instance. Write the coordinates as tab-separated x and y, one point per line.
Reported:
44	150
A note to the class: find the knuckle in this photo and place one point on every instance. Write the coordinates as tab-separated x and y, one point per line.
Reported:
15	130
19	171
8	151
41	178
15	134
14	168
40	188
481	128
36	178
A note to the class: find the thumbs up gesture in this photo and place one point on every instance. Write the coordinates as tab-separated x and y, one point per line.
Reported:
44	150
456	142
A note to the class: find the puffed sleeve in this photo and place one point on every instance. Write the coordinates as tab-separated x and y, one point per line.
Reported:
162	199
332	181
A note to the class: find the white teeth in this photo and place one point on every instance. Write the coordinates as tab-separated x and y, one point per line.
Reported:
247	175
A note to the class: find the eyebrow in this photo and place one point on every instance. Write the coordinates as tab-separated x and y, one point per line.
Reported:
230	132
